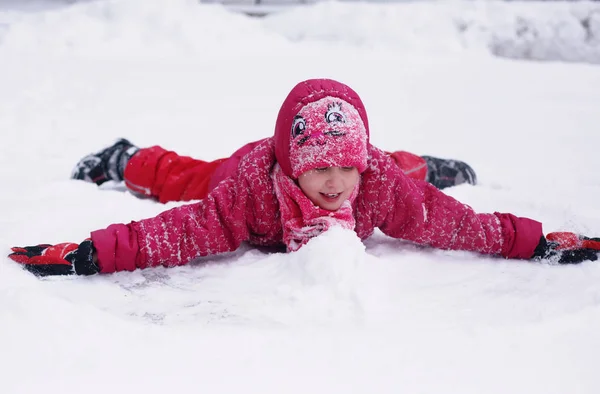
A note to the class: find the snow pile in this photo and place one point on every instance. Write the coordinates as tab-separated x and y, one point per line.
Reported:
322	280
568	31
130	27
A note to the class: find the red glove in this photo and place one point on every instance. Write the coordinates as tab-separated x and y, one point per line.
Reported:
60	259
567	248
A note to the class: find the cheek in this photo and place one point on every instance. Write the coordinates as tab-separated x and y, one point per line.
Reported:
308	184
352	180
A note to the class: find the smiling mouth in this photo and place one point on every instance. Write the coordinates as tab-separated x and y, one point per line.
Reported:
331	195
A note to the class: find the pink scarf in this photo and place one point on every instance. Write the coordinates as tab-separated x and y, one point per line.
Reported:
301	219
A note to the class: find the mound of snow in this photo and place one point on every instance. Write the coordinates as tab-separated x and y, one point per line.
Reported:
131	27
568	31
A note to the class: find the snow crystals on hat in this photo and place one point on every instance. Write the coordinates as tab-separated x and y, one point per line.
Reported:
327	133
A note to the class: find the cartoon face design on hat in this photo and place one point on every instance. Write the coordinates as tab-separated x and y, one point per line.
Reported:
334	117
327	133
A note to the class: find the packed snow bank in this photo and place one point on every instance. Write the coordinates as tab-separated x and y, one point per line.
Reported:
568	31
131	27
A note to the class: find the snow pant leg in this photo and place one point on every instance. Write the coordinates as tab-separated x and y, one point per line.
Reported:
413	166
167	176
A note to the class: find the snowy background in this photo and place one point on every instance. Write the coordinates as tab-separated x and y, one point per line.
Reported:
339	316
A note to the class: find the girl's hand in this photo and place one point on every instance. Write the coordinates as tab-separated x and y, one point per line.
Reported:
60	259
567	248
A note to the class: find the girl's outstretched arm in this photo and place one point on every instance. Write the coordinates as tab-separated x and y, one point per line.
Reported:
214	225
419	212
242	207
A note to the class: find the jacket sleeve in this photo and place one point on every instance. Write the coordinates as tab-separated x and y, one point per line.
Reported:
214	225
423	214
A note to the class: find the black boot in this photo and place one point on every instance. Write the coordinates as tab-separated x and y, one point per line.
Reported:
443	173
105	165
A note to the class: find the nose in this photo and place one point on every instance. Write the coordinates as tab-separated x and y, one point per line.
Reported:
335	180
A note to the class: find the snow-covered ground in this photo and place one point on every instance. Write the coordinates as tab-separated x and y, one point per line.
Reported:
339	316
555	30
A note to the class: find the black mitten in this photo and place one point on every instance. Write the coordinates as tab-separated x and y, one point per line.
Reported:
60	259
567	248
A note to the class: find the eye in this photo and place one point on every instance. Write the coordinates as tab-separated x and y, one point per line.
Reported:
347	169
298	126
334	117
334	113
321	169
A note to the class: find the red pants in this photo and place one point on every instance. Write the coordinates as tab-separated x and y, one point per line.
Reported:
168	177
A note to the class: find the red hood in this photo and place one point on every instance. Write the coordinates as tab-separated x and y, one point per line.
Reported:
304	93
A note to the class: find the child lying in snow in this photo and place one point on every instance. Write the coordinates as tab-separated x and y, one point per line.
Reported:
318	170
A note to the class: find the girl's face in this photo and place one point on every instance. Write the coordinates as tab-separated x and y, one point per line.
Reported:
329	187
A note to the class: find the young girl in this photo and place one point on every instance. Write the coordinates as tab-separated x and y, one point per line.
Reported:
318	170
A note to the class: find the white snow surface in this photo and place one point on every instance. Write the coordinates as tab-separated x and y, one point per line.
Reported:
338	316
567	31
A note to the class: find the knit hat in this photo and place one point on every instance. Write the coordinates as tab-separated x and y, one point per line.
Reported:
321	123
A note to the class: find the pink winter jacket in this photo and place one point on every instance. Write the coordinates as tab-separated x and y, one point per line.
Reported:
244	207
